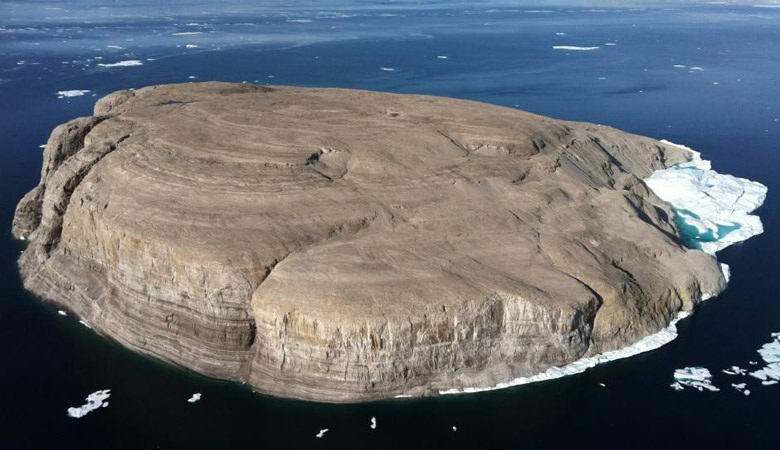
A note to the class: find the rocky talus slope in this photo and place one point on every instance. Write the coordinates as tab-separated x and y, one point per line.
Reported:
342	245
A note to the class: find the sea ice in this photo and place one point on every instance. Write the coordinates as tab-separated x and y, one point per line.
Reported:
387	69
574	48
734	370
73	93
195	397
191	46
695	377
127	63
322	433
740	387
186	33
770	353
713	210
95	400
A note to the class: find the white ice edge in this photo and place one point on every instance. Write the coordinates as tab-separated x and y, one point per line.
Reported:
645	344
95	400
697	179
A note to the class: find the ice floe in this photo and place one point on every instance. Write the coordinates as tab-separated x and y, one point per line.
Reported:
712	210
734	370
741	387
387	69
770	353
95	400
697	378
574	48
321	433
72	93
645	344
191	46
441	57
186	33
195	397
127	63
373	423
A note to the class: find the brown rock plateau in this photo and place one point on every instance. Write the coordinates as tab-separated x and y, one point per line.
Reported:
342	245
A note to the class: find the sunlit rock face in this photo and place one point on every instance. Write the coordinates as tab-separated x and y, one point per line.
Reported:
343	245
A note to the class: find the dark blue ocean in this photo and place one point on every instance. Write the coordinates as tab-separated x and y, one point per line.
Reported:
724	102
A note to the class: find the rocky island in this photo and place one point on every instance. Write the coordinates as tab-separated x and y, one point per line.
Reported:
341	245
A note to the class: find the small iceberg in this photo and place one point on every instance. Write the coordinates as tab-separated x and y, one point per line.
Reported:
712	210
574	48
72	93
95	400
321	433
373	423
127	63
697	378
195	397
62	312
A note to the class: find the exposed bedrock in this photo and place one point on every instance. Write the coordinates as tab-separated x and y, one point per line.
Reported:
342	245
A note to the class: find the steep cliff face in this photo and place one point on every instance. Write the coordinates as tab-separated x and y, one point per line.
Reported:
343	245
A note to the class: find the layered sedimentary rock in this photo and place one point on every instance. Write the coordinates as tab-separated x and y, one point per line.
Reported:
342	245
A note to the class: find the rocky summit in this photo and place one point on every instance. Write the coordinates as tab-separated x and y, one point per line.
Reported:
342	245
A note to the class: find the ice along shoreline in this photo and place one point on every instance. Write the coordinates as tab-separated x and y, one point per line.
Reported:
714	208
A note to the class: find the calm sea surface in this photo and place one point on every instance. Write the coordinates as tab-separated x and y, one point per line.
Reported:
725	102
